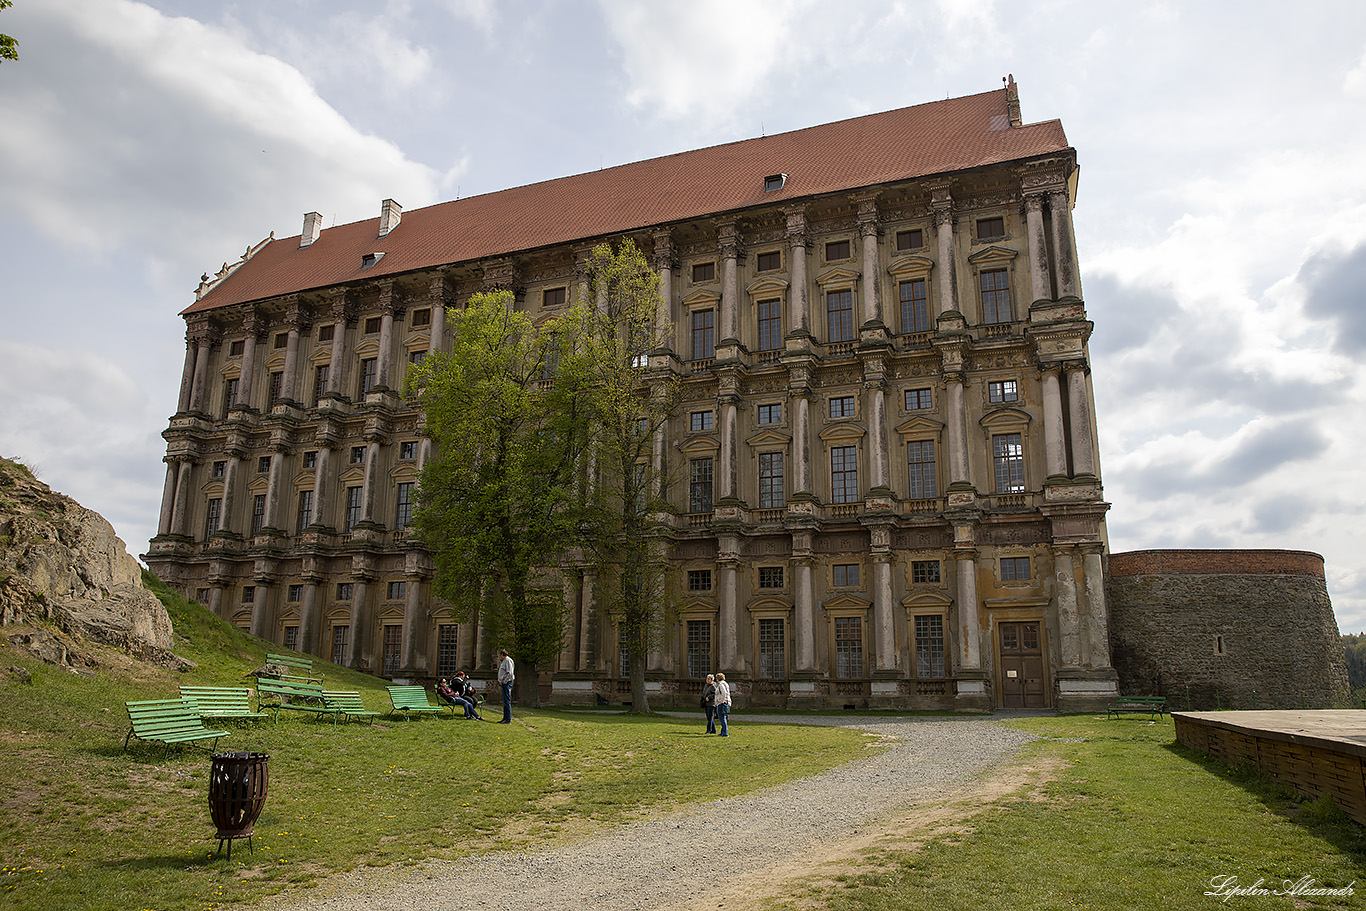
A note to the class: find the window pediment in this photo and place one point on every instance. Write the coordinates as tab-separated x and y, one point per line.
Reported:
698	608
769	438
275	362
368	348
700	444
769	606
911	266
1005	417
767	286
927	602
844	430
919	425
993	256
355	475
846	604
258	485
701	297
837	277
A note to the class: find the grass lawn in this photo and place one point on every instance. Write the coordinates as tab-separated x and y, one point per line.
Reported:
1132	820
88	826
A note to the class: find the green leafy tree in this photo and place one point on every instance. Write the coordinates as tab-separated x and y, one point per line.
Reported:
496	502
9	48
630	403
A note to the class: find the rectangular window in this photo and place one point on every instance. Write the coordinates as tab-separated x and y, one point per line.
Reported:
345	591
339	636
770	325
372	325
202	596
277	380
844	574
837	249
258	513
771	413
403	516
929	646
703	334
995	284
397	590
237	347
311	458
915	312
353	495
699	648
319	382
844	474
416	358
421	318
924	481
214	516
325	333
229	394
703	272
393	649
263	464
919	400
623	654
700	420
769	261
914	239
447	652
220	469
699	580
772	494
305	511
839	316
991	227
407	450
772	649
842	406
925	572
554	297
1007	452
281	340
1014	569
291	638
357	455
699	486
294	594
849	648
999	391
770	577
248	594
369	373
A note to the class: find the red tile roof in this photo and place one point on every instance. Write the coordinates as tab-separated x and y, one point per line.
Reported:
927	139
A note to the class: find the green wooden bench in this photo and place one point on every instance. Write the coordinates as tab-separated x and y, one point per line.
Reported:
292	695
411	701
223	702
1152	706
347	706
296	663
169	722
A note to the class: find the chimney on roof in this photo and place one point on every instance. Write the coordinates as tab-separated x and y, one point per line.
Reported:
1012	101
313	228
390	213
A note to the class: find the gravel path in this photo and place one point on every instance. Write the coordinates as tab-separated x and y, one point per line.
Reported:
668	860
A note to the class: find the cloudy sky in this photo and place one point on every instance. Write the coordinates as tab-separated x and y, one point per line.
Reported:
1221	217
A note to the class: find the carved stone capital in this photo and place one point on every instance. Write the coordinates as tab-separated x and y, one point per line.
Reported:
340	305
502	275
796	225
664	256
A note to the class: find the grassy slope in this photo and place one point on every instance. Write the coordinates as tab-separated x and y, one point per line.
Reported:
90	826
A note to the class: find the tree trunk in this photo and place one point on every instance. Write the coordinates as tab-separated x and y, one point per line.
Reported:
640	702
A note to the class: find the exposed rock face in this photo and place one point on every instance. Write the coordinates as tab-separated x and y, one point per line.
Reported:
62	564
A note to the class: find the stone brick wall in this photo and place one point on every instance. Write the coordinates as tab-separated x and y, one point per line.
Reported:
1231	628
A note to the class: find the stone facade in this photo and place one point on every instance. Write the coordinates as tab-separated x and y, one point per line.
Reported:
889	492
1238	629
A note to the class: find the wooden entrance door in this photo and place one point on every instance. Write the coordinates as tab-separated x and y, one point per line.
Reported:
1021	666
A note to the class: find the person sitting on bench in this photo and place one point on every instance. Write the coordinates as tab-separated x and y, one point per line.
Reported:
464	693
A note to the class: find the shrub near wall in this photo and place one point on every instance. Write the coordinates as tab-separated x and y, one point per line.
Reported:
1235	628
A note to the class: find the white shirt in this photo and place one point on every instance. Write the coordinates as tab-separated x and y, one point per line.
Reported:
722	693
505	674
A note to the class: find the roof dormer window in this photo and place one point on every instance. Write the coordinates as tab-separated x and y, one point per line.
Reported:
369	259
774	182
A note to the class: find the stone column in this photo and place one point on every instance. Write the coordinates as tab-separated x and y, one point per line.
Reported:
969	639
389	303
1069	621
1079	409
729	330
341	313
885	654
804	600
204	344
1055	440
664	264
311	619
1060	208
180	512
796	239
1040	280
412	653
216	601
274	482
296	321
261	627
878	467
948	271
322	490
361	620
590	587
801	443
573	598
959	471
167	498
872	278
252	324
231	479
439	295
187	376
370	493
727	616
1096	616
728	466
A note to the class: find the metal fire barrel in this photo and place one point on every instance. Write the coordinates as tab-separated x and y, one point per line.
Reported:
237	791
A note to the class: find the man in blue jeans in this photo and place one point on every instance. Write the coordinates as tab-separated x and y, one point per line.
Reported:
505	680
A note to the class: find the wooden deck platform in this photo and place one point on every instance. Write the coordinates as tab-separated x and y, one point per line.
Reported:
1315	752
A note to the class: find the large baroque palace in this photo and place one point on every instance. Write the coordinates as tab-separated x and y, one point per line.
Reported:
889	491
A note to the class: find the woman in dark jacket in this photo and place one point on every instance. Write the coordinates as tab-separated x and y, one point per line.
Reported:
708	703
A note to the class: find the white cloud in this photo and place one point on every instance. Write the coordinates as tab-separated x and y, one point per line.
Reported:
1355	81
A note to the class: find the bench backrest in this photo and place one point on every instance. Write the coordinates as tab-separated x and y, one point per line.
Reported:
343	701
213	699
277	688
158	718
403	696
290	661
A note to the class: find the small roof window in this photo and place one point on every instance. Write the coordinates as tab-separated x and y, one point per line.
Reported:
369	259
774	182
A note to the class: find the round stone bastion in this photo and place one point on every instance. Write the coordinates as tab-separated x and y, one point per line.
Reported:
1232	629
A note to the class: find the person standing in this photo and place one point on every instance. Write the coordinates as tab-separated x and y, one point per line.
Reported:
722	700
506	677
709	703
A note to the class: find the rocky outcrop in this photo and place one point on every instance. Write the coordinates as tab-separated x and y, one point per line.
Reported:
62	565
